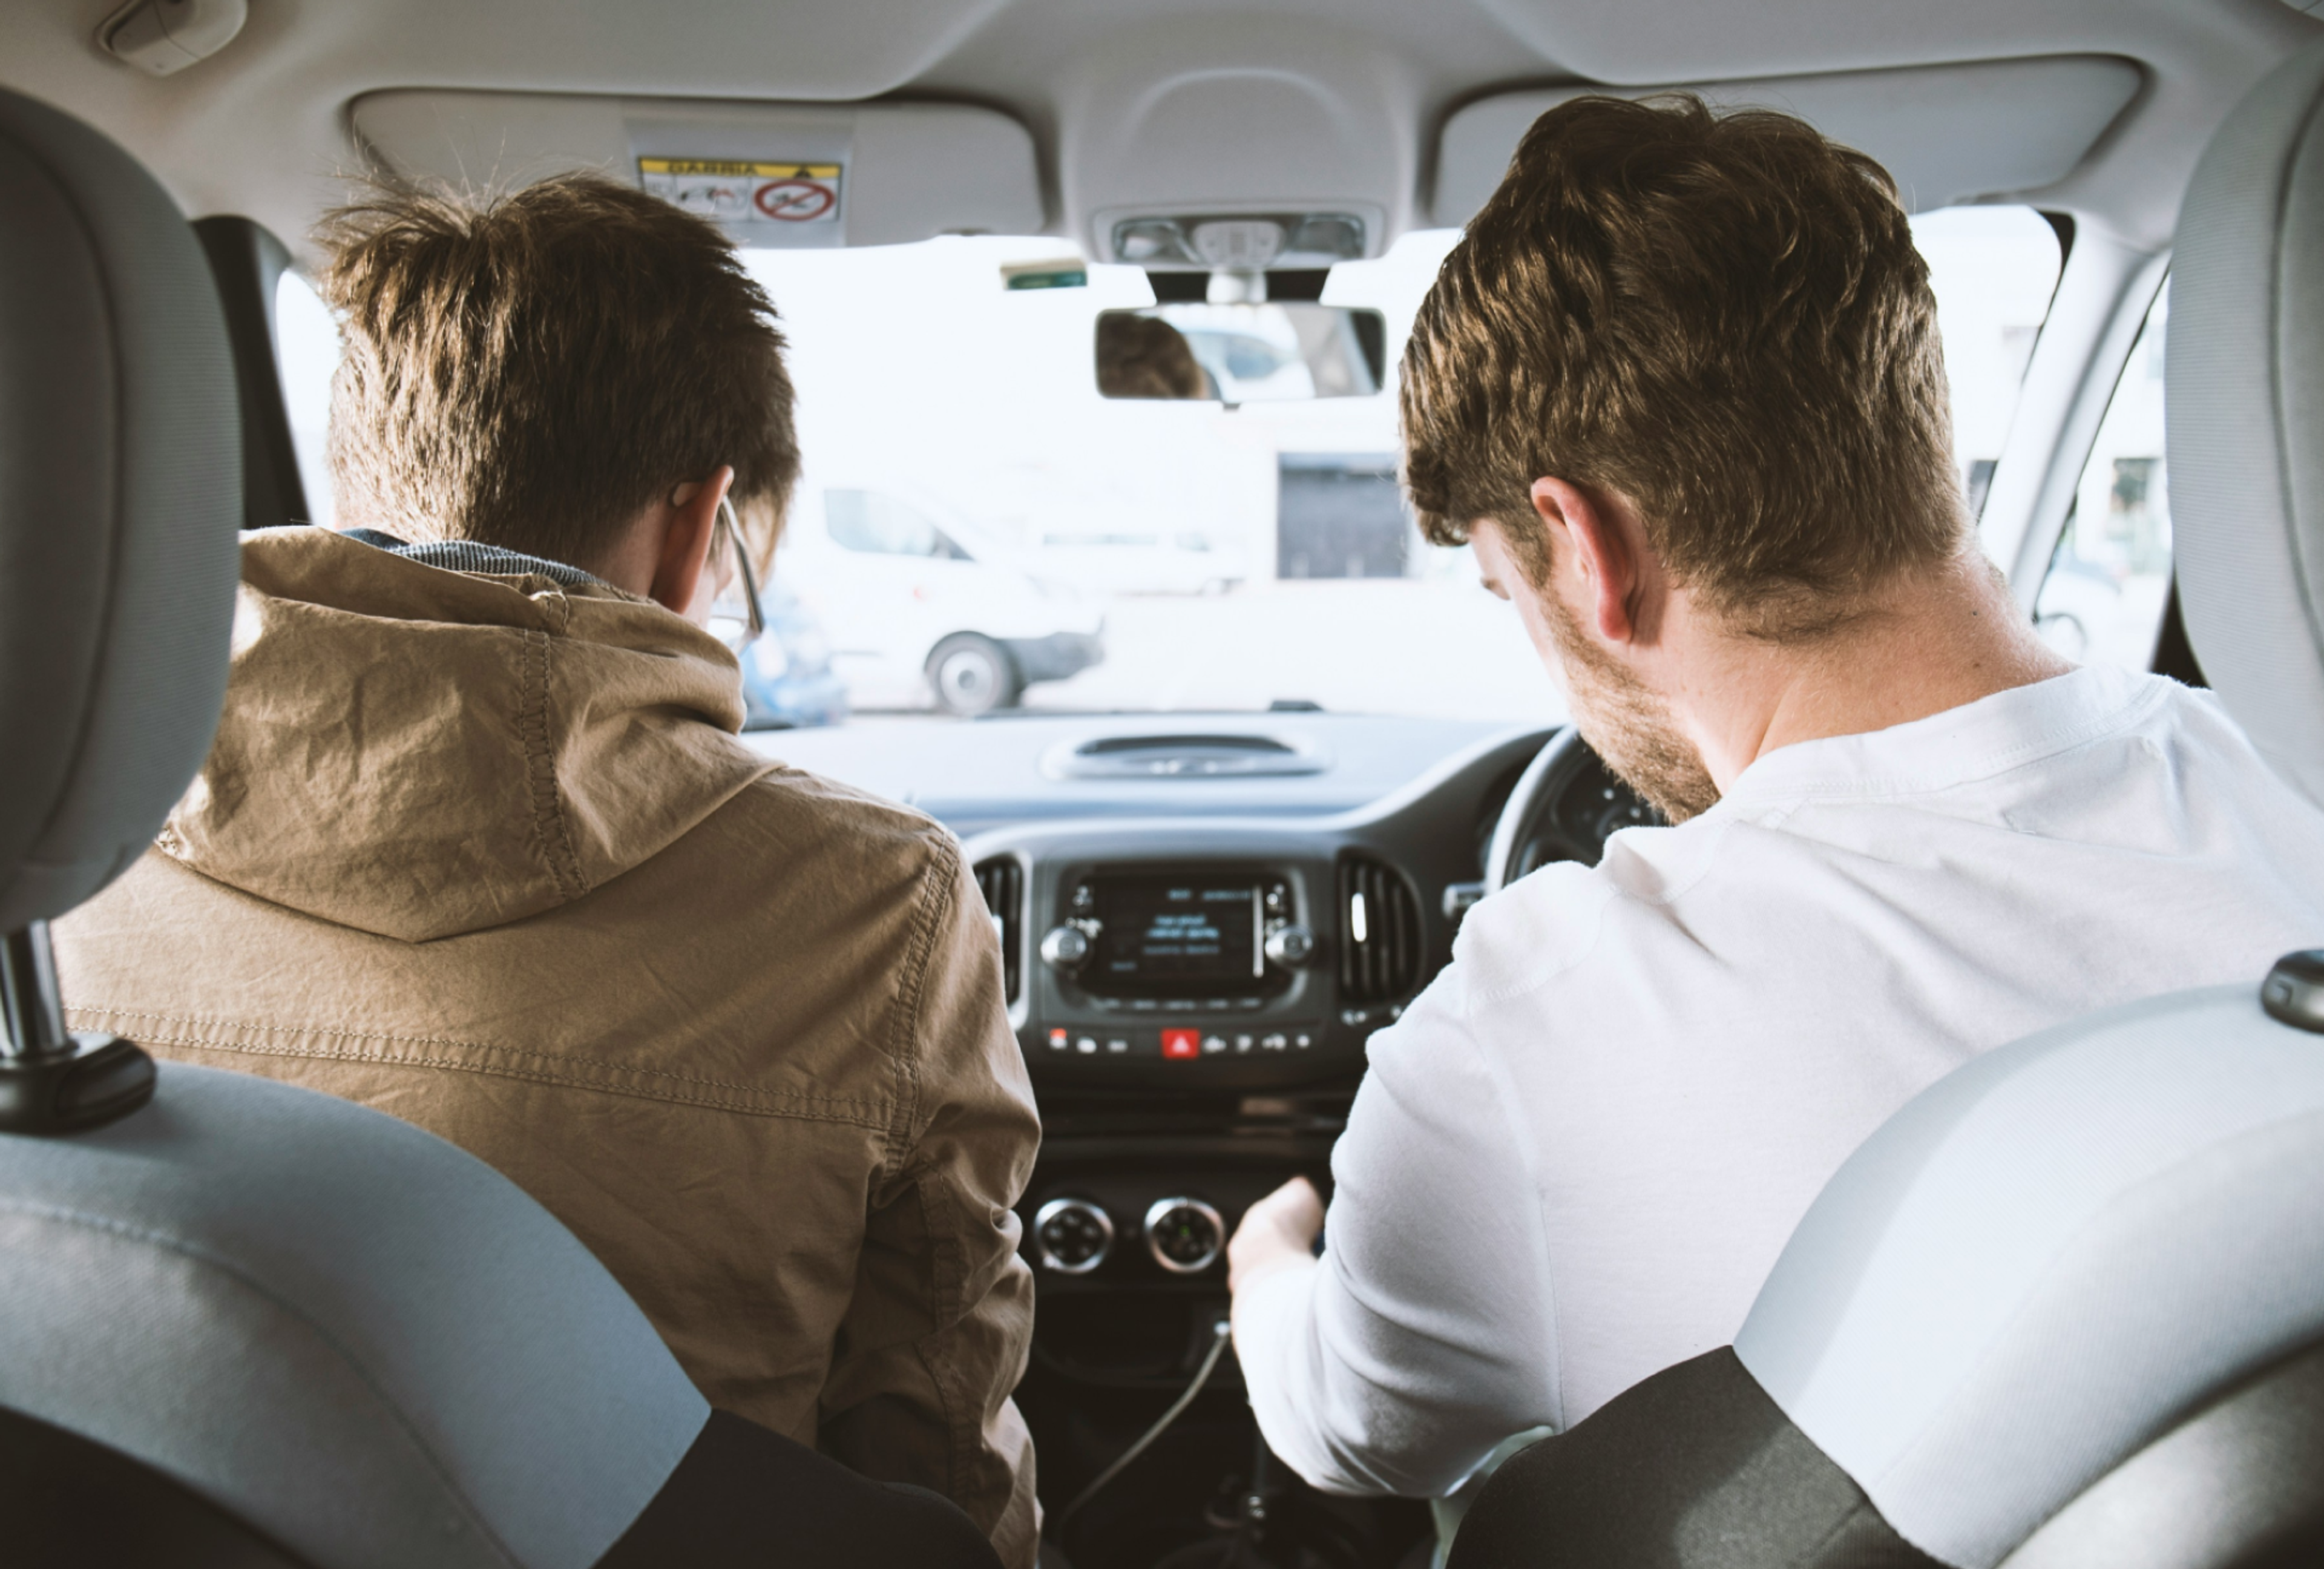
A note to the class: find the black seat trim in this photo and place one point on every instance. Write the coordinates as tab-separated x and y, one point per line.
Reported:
1695	1468
744	1496
70	1504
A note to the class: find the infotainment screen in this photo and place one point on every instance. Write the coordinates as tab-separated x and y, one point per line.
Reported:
1166	935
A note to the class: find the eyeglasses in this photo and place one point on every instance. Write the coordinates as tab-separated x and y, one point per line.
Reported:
748	612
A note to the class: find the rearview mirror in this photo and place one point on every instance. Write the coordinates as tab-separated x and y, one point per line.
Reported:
1241	354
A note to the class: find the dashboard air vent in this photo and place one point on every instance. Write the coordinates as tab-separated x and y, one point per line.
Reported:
1001	880
1379	933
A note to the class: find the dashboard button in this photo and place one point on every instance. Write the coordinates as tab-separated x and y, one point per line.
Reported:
1273	1043
1182	1044
1086	1046
1302	1041
1290	947
1065	947
1214	1044
1245	1042
1116	1046
1061	1040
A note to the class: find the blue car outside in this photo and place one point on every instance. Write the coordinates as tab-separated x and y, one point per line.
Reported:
787	676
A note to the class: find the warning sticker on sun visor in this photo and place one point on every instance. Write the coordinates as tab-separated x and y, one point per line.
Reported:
746	192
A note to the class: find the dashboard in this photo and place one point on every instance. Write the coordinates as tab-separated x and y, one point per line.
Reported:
1206	905
1203	920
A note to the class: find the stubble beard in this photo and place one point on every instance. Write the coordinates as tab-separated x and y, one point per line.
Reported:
1630	728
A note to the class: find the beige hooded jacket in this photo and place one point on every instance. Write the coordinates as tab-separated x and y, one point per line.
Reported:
485	853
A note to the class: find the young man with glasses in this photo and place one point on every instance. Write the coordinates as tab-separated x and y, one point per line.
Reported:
477	844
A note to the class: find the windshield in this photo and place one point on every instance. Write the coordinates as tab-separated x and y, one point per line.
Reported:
979	529
1228	558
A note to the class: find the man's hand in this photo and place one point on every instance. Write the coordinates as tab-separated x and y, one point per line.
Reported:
1278	1229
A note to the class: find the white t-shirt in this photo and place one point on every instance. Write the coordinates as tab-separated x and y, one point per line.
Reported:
1577	1156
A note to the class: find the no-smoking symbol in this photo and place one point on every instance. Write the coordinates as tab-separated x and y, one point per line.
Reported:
794	201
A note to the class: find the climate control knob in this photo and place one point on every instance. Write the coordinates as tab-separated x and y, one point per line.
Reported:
1290	947
1184	1236
1072	1235
1065	947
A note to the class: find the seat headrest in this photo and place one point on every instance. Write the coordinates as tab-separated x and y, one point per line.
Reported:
120	494
2244	384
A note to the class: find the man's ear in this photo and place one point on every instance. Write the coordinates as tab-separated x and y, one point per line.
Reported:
1590	534
690	532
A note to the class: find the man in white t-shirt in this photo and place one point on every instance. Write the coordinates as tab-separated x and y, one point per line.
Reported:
1680	386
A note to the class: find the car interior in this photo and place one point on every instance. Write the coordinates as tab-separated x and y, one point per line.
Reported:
2067	1308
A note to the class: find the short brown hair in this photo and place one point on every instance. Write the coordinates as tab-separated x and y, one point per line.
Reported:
532	369
1722	318
1144	356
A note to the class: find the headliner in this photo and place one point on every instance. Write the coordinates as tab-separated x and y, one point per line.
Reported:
262	128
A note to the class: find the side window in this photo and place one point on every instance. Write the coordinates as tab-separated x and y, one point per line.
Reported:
307	353
881	525
1993	270
2102	599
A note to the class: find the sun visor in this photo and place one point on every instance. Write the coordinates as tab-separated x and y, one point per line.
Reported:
1947	133
775	175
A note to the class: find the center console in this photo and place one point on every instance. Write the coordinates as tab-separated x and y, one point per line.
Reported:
1193	998
1250	961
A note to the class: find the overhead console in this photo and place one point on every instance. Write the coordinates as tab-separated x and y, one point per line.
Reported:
776	175
1946	133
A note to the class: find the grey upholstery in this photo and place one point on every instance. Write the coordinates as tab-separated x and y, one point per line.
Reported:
2246	385
120	492
348	1333
2045	1259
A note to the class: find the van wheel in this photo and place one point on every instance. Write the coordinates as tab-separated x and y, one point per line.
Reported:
972	675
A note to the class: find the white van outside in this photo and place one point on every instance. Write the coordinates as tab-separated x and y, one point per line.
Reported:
921	607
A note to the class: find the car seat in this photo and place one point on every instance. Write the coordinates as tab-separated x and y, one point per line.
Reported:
2067	1307
244	1323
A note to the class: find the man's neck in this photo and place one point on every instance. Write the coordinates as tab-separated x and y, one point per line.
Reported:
1927	644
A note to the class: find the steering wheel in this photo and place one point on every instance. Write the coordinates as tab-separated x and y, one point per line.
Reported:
1565	807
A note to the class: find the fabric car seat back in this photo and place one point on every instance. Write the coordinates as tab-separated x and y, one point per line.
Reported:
2244	381
342	1329
2048	1260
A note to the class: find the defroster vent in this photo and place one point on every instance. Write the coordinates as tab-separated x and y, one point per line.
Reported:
1379	933
1001	880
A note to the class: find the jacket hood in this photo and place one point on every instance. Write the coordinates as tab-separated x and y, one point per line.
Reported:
420	753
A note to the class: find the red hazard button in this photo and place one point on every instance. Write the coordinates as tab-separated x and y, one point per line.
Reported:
1182	1044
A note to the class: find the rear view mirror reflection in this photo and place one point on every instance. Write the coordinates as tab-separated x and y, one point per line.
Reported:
1242	353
